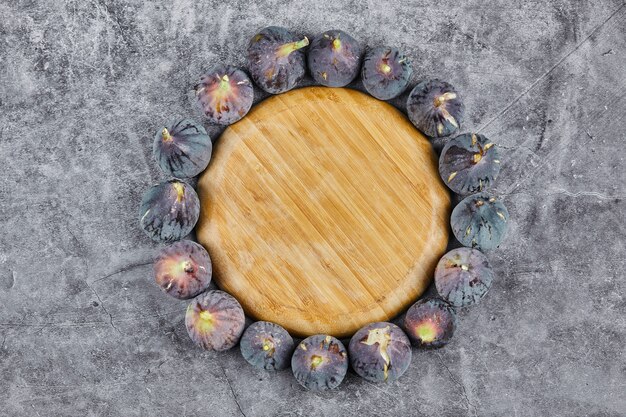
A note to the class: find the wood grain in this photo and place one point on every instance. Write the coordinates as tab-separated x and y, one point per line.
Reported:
323	211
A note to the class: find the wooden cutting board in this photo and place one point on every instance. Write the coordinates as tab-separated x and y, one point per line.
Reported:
323	211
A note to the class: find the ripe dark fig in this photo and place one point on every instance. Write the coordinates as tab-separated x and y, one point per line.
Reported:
380	352
479	221
215	320
267	346
225	94
183	269
334	58
469	163
275	59
463	276
182	148
169	211
386	72
320	362
435	108
430	323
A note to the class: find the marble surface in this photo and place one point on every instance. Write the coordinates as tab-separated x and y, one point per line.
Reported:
85	332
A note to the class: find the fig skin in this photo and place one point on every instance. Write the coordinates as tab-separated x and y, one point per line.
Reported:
183	269
430	323
479	221
463	277
380	352
267	346
320	362
215	320
386	72
182	148
469	163
334	58
225	94
169	211
435	108
276	60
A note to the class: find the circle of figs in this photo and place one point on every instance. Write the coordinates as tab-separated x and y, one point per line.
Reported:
469	164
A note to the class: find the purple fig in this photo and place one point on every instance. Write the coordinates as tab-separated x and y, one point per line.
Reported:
169	211
430	323
435	108
276	60
334	58
182	148
225	94
267	346
215	320
380	352
463	276
183	269
469	163
480	221
320	362
386	72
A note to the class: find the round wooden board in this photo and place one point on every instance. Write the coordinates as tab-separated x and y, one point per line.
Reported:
323	211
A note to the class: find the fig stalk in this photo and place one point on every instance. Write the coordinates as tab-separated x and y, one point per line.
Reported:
224	83
180	191
288	48
439	100
386	72
165	134
385	68
266	345
334	58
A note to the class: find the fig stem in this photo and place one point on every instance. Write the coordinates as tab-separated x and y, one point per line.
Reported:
165	134
180	191
426	332
268	346
316	361
206	316
224	83
439	100
187	266
286	49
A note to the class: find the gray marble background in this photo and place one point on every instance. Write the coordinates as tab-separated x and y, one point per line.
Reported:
85	332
